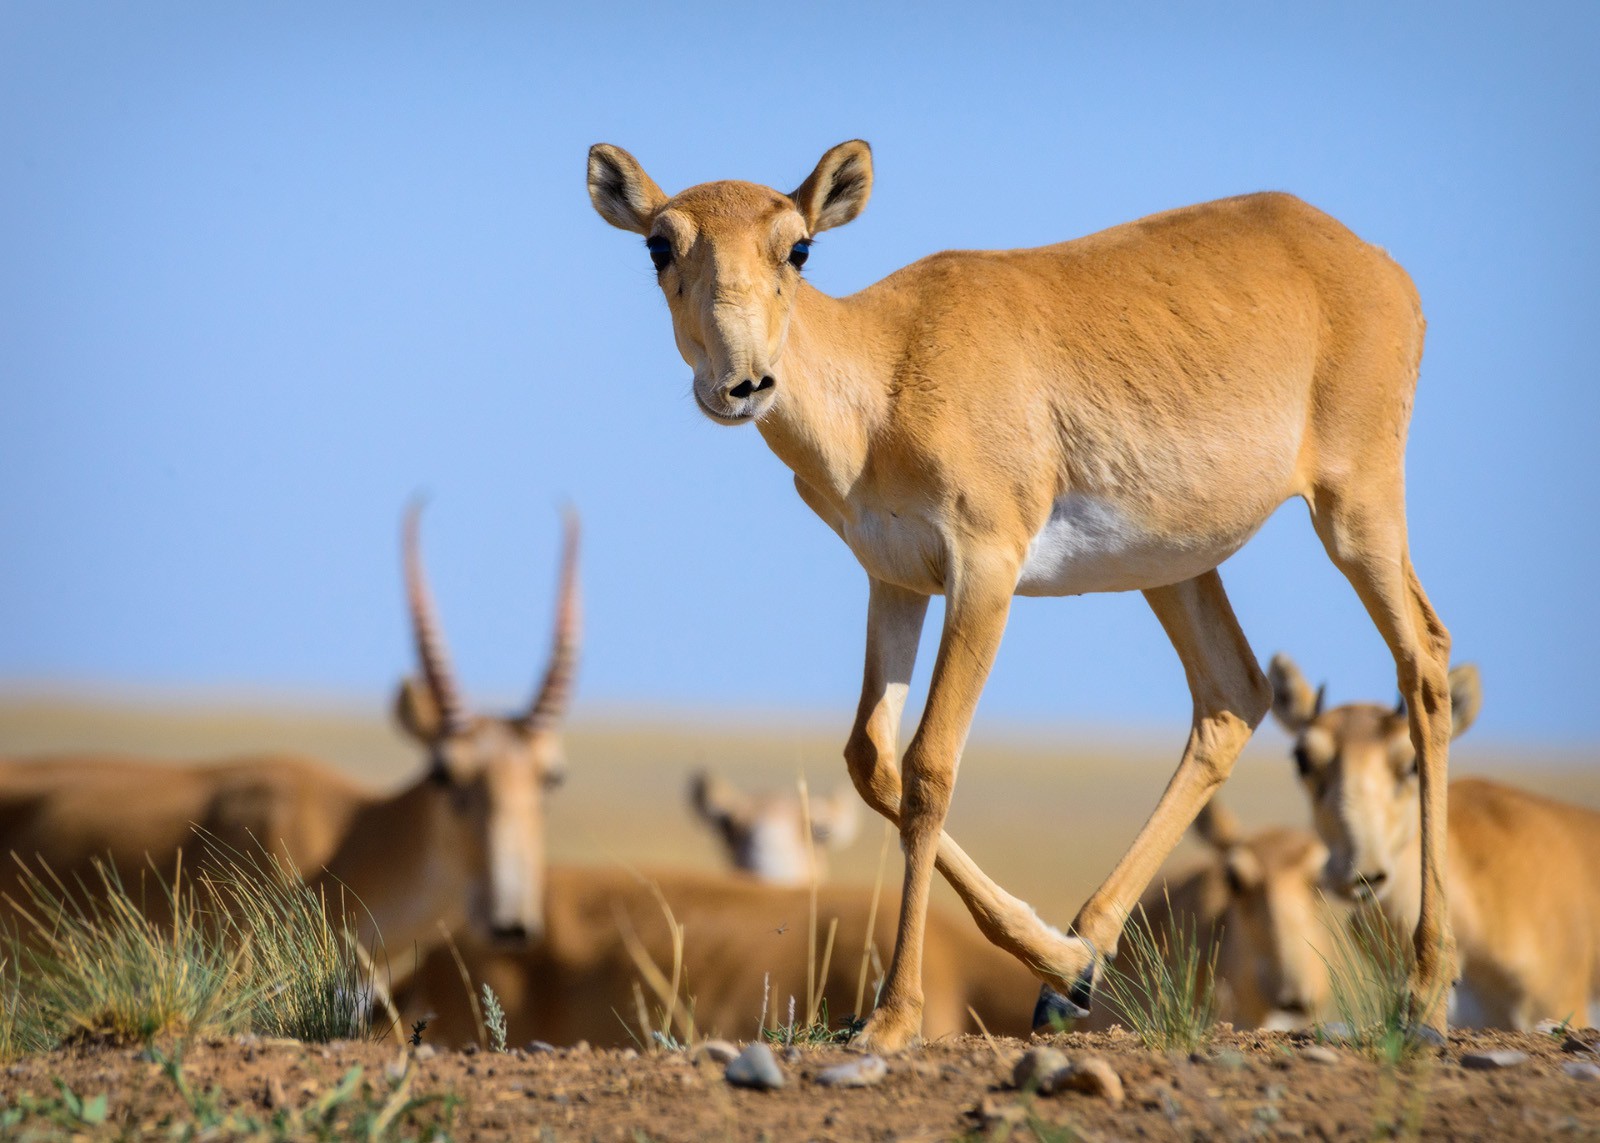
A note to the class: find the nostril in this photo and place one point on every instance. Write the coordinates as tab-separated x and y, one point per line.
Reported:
767	382
511	932
1294	1006
743	389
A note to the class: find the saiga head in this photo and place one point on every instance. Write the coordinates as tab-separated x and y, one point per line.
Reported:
1275	926
728	257
488	775
1359	768
766	836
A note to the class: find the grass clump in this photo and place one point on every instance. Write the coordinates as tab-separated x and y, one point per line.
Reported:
1369	976
246	946
97	965
816	1032
305	973
1162	984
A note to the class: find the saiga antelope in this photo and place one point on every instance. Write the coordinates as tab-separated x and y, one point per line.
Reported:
773	837
1255	907
461	845
1118	412
1523	872
745	944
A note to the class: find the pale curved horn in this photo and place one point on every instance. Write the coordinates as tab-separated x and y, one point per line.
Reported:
555	694
431	652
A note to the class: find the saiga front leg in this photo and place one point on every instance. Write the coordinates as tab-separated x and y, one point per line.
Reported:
975	618
894	629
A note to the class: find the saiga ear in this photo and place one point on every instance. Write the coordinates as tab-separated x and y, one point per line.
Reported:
1217	826
841	820
1294	703
1466	698
838	189
417	712
714	799
1243	869
624	195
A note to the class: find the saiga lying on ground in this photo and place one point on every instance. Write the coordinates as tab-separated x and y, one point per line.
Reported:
1255	905
773	837
1121	412
1523	872
744	943
460	845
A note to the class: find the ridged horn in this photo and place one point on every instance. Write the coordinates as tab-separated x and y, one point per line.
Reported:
555	693
431	652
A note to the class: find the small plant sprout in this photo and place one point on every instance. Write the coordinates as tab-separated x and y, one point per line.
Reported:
494	1019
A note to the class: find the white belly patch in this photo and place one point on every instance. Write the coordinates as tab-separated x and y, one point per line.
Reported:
1088	545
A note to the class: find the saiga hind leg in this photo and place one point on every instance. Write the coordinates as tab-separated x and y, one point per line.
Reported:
1366	539
1231	696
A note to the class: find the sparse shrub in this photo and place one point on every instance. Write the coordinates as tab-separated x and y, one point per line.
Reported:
1162	984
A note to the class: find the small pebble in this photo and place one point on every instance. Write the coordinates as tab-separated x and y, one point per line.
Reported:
1579	1070
424	1051
1092	1076
863	1071
1491	1061
755	1068
1425	1035
717	1051
535	1047
1320	1054
1550	1027
1035	1065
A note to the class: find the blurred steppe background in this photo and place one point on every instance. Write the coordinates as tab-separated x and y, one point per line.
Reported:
266	271
1045	814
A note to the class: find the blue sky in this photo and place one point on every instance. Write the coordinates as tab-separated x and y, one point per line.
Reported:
266	271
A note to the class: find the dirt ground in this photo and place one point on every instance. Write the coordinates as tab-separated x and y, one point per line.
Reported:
1243	1086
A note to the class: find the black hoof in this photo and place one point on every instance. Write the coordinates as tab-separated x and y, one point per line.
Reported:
1425	1035
1053	1008
1082	994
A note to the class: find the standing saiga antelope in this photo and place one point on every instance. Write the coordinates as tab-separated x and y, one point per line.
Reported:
775	837
462	845
1118	412
1523	871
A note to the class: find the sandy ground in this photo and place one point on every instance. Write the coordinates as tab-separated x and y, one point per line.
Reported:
1242	1086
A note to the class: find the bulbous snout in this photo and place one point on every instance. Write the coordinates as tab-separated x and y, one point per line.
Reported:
1363	885
739	396
514	934
747	387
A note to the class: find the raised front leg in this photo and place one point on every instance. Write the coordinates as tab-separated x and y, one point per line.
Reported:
1231	696
894	629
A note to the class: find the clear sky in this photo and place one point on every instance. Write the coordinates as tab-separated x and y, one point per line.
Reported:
266	271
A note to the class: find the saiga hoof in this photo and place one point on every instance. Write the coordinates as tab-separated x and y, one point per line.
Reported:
1053	1009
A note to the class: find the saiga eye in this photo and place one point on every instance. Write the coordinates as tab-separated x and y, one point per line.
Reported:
660	252
799	252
